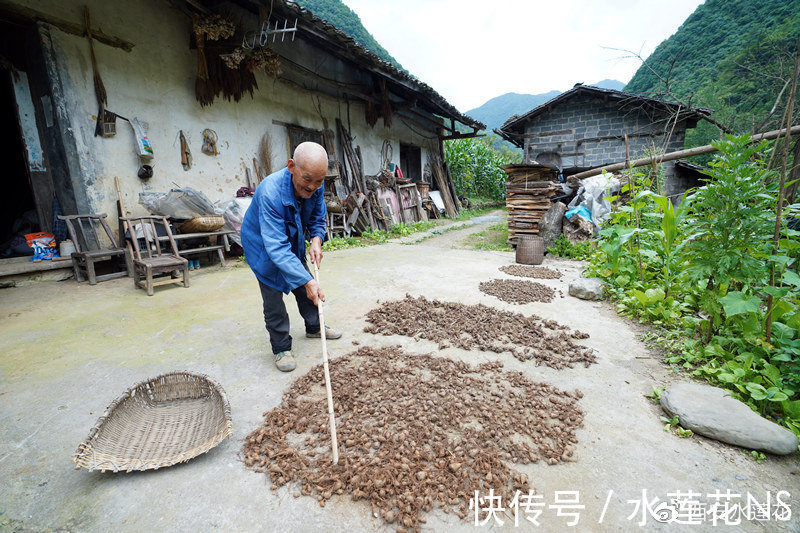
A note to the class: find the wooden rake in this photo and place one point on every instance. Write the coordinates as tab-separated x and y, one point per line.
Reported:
331	416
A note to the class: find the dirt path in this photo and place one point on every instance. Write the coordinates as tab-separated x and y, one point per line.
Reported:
70	349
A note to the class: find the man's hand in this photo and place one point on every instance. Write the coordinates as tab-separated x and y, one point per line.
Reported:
315	252
314	291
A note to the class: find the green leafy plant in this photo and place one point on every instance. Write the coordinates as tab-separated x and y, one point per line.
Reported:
562	247
475	167
755	455
655	396
700	273
672	425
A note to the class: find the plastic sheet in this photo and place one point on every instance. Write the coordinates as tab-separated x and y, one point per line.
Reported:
184	203
233	210
592	195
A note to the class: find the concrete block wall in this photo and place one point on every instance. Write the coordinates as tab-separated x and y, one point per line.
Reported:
588	132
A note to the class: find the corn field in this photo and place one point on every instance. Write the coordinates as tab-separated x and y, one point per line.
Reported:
475	166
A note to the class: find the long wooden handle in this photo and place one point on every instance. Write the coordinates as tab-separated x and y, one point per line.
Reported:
331	416
125	225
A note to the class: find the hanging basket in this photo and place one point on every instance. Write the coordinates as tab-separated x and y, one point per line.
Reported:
530	250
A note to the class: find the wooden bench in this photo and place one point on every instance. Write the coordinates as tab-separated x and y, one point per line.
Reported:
225	245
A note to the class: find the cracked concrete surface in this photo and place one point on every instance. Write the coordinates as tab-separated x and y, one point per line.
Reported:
69	349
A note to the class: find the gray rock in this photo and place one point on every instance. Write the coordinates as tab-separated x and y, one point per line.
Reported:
712	412
586	288
550	225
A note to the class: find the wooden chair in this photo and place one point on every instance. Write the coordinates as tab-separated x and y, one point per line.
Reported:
153	258
86	233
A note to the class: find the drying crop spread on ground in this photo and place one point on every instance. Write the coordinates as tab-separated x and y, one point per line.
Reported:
527	271
481	327
517	291
416	432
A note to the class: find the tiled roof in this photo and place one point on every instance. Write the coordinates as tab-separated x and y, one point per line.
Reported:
365	58
516	122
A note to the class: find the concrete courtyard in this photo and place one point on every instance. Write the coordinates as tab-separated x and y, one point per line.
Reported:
69	349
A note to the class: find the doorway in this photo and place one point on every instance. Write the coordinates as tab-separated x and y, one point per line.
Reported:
27	202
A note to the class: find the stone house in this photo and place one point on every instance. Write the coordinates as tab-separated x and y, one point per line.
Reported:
585	128
308	78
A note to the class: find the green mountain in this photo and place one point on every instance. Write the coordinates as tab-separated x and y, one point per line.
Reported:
733	56
341	16
496	111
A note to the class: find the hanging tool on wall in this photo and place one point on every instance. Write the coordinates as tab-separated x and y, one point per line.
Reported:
99	88
103	117
258	172
209	142
186	155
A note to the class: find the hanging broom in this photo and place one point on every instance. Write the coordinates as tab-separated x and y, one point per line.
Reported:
99	88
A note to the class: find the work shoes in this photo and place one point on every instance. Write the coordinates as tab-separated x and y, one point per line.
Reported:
329	334
285	361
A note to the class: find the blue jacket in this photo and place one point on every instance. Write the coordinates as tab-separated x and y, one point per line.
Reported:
273	232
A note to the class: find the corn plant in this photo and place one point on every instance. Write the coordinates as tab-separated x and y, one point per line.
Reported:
475	167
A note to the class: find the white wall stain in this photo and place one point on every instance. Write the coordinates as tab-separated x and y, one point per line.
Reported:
27	122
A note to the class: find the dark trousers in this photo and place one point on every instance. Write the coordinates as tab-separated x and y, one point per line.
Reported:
277	320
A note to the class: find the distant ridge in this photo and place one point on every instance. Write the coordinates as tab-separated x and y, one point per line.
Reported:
496	111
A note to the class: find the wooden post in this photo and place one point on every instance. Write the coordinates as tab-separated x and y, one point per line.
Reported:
680	154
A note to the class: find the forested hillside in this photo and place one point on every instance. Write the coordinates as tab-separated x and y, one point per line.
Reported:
733	56
341	16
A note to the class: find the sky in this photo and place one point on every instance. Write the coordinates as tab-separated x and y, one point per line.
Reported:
470	51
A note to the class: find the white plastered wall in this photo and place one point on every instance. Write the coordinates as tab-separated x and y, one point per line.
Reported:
155	83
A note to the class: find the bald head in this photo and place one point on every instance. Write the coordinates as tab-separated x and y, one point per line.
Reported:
310	153
308	167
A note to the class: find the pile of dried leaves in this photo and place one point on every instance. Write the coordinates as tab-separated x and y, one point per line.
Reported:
516	291
528	271
415	432
483	328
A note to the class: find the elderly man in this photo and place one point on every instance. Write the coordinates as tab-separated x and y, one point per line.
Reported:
286	205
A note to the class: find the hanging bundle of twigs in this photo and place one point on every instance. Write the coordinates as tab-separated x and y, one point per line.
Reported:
99	88
202	91
214	27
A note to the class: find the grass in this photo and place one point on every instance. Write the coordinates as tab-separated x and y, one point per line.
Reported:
371	238
495	238
466	214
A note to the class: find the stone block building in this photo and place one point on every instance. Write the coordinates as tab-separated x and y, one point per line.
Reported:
585	128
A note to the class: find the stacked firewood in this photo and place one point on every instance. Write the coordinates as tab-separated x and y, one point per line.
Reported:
528	193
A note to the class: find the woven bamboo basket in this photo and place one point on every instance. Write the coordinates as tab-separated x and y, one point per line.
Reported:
158	423
203	223
530	250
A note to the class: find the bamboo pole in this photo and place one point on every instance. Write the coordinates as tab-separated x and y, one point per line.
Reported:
699	150
331	415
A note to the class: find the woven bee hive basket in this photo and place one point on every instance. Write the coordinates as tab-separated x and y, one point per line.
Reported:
157	423
530	250
203	223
